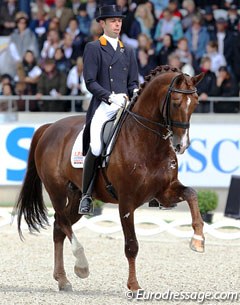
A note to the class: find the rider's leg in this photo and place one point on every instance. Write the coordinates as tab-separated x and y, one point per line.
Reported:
103	113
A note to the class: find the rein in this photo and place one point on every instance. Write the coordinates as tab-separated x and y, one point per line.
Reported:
168	122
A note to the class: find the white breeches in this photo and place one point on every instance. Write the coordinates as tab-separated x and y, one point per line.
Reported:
103	113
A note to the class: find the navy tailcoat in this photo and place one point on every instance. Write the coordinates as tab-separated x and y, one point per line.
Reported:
107	71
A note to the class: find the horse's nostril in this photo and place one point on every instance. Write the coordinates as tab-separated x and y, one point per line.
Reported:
178	147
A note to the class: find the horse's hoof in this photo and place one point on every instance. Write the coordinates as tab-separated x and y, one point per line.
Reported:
197	245
81	272
66	287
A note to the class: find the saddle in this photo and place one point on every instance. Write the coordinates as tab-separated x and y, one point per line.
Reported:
109	134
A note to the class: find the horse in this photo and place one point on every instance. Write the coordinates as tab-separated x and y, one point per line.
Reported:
142	167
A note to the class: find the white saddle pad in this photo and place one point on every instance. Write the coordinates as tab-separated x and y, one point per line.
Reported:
77	158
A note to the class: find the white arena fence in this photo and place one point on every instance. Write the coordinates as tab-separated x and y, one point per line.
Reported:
73	99
146	225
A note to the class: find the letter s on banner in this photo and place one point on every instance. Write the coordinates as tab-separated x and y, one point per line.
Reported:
15	150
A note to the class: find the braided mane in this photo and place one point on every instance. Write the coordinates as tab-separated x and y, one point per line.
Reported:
157	71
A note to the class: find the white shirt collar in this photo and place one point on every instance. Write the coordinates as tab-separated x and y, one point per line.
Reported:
112	41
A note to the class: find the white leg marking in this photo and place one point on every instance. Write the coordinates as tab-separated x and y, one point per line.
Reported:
78	252
198	237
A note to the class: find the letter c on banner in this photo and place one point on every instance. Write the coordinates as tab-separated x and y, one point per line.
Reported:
216	158
198	156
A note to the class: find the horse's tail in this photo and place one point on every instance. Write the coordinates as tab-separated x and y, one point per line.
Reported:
30	202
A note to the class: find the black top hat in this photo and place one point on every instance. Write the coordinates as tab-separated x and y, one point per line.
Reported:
109	11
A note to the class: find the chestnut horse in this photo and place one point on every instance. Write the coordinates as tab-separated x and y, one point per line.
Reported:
142	166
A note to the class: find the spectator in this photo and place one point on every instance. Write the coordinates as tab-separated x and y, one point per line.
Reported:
6	79
8	12
167	49
28	73
173	7
159	6
51	82
174	61
76	84
63	64
145	43
63	14
197	37
91	8
22	39
7	90
143	22
39	25
217	59
227	87
95	31
167	25
225	41
183	52
75	4
233	19
78	38
209	21
39	6
129	16
207	86
145	63
236	57
190	8
83	19
51	44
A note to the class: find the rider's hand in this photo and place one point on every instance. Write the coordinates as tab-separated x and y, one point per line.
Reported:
118	99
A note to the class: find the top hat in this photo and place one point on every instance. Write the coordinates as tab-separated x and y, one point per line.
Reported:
109	11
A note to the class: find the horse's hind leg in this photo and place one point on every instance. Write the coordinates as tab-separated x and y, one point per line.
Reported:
81	268
131	245
65	216
59	273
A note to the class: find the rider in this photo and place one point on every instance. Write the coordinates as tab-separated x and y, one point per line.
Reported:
111	74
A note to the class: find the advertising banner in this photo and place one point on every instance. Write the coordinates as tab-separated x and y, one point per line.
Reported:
210	161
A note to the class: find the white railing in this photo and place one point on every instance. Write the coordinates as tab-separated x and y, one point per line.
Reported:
27	98
146	225
73	99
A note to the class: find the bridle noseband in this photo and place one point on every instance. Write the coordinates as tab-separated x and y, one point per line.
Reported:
166	105
168	122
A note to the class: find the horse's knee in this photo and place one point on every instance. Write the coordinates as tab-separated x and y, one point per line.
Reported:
131	248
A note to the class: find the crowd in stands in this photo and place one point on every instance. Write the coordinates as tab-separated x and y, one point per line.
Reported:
47	40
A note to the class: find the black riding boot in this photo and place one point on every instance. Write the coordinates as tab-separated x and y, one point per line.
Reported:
90	164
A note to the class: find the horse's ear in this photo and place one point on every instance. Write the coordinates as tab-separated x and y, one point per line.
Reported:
196	79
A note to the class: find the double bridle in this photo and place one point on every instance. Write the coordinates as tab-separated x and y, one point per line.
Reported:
168	122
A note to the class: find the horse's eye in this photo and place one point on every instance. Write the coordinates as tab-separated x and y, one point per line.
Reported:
176	103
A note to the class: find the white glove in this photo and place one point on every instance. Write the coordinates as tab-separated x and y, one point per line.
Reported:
118	99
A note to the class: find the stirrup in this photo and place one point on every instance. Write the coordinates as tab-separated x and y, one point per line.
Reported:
86	205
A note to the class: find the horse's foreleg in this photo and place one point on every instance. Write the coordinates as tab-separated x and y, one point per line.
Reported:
197	242
131	246
59	273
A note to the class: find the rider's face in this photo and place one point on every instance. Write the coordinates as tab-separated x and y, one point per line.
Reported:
111	26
